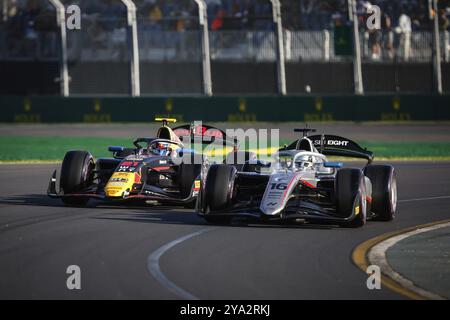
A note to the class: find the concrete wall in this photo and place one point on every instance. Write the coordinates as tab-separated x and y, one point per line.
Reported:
89	78
231	108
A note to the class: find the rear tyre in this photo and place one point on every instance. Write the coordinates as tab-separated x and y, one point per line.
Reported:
187	175
218	191
384	191
76	175
351	197
239	158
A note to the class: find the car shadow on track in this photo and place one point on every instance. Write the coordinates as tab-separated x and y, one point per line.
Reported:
30	200
145	214
191	218
42	200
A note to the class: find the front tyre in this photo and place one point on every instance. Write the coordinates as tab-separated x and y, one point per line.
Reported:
351	197
218	191
239	158
188	173
76	175
384	191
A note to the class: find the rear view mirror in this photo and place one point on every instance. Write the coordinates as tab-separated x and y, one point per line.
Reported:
336	165
115	149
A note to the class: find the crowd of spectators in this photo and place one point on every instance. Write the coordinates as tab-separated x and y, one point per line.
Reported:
182	15
222	14
29	27
297	14
27	20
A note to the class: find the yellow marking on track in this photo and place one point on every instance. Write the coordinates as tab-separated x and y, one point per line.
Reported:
359	257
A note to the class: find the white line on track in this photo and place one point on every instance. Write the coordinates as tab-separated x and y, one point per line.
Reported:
425	199
377	256
155	269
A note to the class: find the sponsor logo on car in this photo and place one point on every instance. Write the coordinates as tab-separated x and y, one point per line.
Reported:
118	180
335	143
119	183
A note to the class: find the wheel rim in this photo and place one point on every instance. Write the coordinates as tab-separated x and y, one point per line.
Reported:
393	195
363	205
86	173
360	201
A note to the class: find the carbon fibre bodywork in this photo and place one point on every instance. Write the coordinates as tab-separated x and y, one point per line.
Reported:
143	174
140	176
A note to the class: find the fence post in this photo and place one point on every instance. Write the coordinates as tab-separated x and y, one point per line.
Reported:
357	69
4	10
326	45
132	40
63	70
447	46
437	50
288	45
366	52
276	12
206	56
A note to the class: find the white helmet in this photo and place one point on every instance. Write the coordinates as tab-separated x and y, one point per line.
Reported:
304	162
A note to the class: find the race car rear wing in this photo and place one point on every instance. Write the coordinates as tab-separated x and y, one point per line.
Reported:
331	145
204	133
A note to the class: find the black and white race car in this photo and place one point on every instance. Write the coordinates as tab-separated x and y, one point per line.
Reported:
301	185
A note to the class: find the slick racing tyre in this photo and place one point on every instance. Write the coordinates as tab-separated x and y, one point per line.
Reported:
239	158
351	197
76	174
188	172
384	191
218	191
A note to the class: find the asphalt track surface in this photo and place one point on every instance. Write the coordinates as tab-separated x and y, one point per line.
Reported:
40	238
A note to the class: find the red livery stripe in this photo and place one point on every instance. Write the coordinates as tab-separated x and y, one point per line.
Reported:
306	183
160	168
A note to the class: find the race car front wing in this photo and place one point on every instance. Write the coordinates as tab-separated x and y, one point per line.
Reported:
147	193
296	213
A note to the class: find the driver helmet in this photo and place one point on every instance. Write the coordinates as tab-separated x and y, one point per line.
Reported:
304	162
161	149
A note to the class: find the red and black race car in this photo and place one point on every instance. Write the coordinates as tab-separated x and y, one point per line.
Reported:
160	170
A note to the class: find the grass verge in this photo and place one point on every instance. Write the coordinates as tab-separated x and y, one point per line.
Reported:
18	149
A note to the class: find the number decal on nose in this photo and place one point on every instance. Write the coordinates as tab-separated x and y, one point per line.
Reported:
278	186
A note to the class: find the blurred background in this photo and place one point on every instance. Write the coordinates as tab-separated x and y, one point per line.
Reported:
236	63
317	48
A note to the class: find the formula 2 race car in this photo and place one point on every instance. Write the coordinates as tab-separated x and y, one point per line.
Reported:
156	171
301	185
